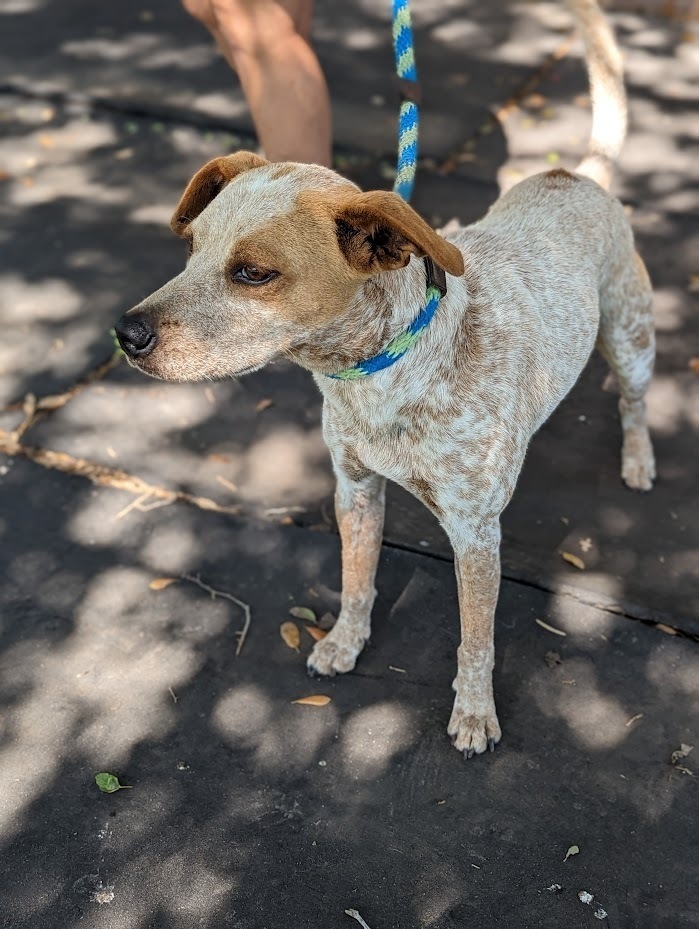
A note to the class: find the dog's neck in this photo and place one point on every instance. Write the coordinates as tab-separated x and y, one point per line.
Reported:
382	308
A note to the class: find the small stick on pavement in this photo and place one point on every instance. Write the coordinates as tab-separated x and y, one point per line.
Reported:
242	633
355	915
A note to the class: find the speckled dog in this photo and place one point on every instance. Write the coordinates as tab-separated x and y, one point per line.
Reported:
293	260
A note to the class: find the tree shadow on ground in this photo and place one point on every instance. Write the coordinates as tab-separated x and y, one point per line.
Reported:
247	809
233	819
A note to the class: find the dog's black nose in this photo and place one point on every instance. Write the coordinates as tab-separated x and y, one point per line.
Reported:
136	336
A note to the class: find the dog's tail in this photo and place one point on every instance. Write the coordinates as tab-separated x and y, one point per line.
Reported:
606	76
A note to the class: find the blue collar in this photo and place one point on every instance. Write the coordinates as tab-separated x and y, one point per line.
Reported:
398	346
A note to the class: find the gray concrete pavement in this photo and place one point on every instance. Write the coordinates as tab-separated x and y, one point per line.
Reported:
246	810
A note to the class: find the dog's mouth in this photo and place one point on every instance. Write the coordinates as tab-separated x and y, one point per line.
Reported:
150	366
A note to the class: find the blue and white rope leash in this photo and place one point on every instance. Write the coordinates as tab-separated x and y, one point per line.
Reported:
409	116
408	125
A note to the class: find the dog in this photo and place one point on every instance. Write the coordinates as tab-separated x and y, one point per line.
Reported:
438	358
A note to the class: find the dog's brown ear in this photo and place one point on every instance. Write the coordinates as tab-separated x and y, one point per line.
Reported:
208	183
378	231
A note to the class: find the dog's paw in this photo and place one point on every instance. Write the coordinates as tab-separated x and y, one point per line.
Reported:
638	473
473	733
638	462
337	653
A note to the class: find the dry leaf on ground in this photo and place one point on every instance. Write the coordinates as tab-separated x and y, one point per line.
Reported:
668	630
313	700
355	915
263	405
681	752
535	101
694	365
316	633
229	485
550	628
573	850
303	612
160	583
574	560
290	634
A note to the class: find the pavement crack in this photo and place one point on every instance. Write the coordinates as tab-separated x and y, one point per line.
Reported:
666	623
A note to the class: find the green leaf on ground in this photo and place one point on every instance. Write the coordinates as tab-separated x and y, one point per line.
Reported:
109	783
303	612
573	850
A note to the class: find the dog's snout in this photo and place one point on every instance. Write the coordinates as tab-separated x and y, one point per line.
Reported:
136	335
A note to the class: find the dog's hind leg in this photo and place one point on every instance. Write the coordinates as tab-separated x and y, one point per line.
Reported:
627	341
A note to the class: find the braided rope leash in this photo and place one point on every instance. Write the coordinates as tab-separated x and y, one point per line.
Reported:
409	117
408	124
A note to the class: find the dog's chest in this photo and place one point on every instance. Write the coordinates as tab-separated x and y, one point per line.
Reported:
392	434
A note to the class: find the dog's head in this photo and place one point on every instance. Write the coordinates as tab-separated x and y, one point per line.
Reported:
277	251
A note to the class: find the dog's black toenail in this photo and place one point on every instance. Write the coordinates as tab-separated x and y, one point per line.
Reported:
491	745
469	753
452	739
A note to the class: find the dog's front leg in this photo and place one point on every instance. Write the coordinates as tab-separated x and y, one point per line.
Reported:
359	507
474	726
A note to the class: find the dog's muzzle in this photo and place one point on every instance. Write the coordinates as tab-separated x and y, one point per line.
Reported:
136	336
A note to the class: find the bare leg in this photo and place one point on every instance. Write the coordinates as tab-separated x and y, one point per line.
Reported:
359	506
266	43
474	726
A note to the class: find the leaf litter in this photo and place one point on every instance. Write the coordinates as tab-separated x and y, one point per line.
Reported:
551	628
290	634
678	755
355	915
160	583
109	783
574	560
313	700
303	612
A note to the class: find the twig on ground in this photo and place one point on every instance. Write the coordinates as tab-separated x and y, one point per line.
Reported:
242	633
107	477
355	915
511	104
37	409
141	504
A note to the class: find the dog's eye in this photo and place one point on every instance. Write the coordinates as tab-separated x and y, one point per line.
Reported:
251	274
